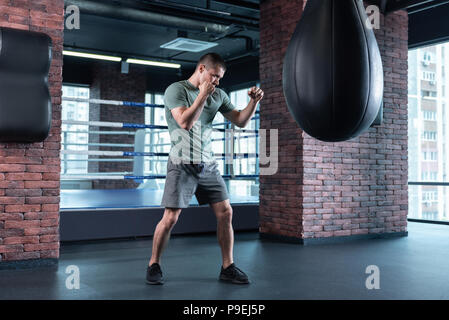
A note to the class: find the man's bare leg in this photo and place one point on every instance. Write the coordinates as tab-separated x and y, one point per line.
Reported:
225	232
162	233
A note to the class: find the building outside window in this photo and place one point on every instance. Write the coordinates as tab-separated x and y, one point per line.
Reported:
430	215
246	143
429	176
429	156
156	140
430	196
74	137
428	135
429	76
427	58
429	115
427	94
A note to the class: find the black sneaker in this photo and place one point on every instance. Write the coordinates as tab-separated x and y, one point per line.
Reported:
154	274
234	275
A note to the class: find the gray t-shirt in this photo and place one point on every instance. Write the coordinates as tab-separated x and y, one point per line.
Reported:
195	144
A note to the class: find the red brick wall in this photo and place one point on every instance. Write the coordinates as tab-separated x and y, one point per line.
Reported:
110	84
325	190
30	172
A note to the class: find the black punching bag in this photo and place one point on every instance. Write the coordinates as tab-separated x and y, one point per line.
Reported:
332	74
25	103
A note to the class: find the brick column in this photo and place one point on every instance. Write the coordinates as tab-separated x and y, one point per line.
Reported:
110	84
334	191
30	172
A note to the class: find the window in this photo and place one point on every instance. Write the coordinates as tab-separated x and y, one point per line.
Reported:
430	215
156	140
429	115
429	176
428	76
428	139
429	199
429	135
427	58
428	94
245	143
74	137
429	156
430	196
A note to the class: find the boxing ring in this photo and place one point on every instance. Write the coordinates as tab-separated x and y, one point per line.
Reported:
90	214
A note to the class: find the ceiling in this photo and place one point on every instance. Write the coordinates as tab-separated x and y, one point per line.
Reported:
137	28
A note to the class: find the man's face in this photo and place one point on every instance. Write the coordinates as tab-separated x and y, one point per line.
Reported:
213	74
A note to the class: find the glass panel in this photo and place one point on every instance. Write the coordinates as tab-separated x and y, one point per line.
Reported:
156	140
74	137
245	143
428	137
429	203
244	188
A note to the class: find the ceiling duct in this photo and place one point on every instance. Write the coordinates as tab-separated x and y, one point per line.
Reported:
191	45
135	15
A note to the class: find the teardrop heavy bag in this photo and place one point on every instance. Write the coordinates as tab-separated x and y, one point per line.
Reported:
332	73
25	103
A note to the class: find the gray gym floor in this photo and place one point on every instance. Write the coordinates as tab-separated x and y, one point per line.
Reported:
413	267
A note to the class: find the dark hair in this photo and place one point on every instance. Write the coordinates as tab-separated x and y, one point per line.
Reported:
211	60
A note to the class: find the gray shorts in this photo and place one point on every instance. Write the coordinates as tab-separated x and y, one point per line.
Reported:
183	180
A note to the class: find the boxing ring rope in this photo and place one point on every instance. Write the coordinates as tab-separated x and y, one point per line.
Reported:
133	133
221	156
160	129
131	177
124	145
134	104
136	125
118	103
113	124
115	102
119	176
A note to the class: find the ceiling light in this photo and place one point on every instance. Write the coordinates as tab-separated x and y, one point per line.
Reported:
91	56
154	63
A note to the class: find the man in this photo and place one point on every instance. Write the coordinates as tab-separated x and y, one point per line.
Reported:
190	107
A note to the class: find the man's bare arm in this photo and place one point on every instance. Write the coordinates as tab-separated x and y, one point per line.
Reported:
187	116
243	117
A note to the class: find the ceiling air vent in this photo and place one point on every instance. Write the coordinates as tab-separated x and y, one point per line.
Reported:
185	44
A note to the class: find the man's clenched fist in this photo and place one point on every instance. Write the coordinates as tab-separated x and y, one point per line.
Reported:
207	88
256	94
